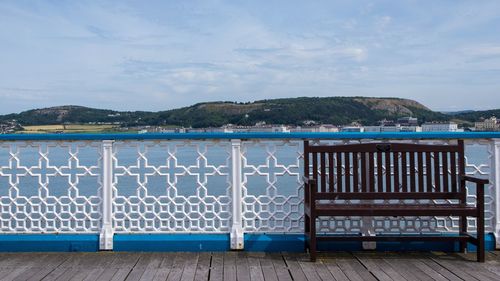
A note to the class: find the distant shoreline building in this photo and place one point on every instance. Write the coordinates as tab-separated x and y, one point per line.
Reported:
440	127
490	124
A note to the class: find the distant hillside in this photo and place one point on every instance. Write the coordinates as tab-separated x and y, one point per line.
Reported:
472	116
332	110
72	114
291	111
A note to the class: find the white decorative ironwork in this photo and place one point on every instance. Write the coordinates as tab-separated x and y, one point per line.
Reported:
171	186
272	187
50	187
187	186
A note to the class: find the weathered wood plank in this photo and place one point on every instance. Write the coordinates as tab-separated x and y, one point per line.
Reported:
242	269
254	265
403	267
230	266
280	267
441	270
152	267
308	267
139	268
466	261
294	267
107	274
372	266
203	267
167	260
351	267
190	266
121	274
179	262
457	270
337	273
248	266
435	275
44	267
322	271
217	266
268	270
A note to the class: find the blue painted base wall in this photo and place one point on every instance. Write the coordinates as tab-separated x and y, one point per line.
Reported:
171	242
203	242
296	243
49	242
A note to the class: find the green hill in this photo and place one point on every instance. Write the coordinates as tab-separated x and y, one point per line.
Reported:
290	111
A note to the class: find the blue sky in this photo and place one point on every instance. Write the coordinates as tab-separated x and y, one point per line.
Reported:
158	55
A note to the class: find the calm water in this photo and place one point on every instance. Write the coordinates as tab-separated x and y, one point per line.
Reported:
172	168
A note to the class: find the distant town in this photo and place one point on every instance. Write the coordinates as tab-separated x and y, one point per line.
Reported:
404	124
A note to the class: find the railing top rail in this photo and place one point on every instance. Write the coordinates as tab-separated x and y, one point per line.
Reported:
253	135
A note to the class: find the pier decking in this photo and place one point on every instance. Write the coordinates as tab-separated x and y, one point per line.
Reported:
247	266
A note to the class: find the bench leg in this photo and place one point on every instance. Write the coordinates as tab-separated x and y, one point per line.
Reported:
312	238
480	228
462	228
306	231
480	239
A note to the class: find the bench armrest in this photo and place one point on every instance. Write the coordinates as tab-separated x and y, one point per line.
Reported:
474	179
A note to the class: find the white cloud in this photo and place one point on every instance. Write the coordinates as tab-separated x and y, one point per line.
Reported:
127	55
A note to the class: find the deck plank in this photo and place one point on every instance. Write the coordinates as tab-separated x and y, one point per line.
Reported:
190	265
242	268
203	268
403	265
340	266
167	260
369	262
43	267
177	267
121	274
335	270
322	271
230	266
294	267
268	271
152	267
255	267
352	268
217	266
309	268
444	261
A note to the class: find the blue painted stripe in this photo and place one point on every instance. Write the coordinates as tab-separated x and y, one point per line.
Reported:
171	242
207	136
49	242
296	243
203	242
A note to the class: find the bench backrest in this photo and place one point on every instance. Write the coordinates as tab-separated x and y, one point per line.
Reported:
386	170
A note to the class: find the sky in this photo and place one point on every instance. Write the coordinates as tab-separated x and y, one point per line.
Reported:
159	55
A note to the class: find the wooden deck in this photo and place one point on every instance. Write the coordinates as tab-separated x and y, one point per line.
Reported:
247	266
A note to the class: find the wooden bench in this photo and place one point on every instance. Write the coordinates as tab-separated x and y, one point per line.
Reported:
389	171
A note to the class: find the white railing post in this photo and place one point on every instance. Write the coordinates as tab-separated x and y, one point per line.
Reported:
236	235
495	181
106	235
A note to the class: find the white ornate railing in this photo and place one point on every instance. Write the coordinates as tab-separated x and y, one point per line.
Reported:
188	183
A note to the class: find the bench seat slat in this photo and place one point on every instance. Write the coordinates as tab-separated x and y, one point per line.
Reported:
387	195
394	209
396	238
